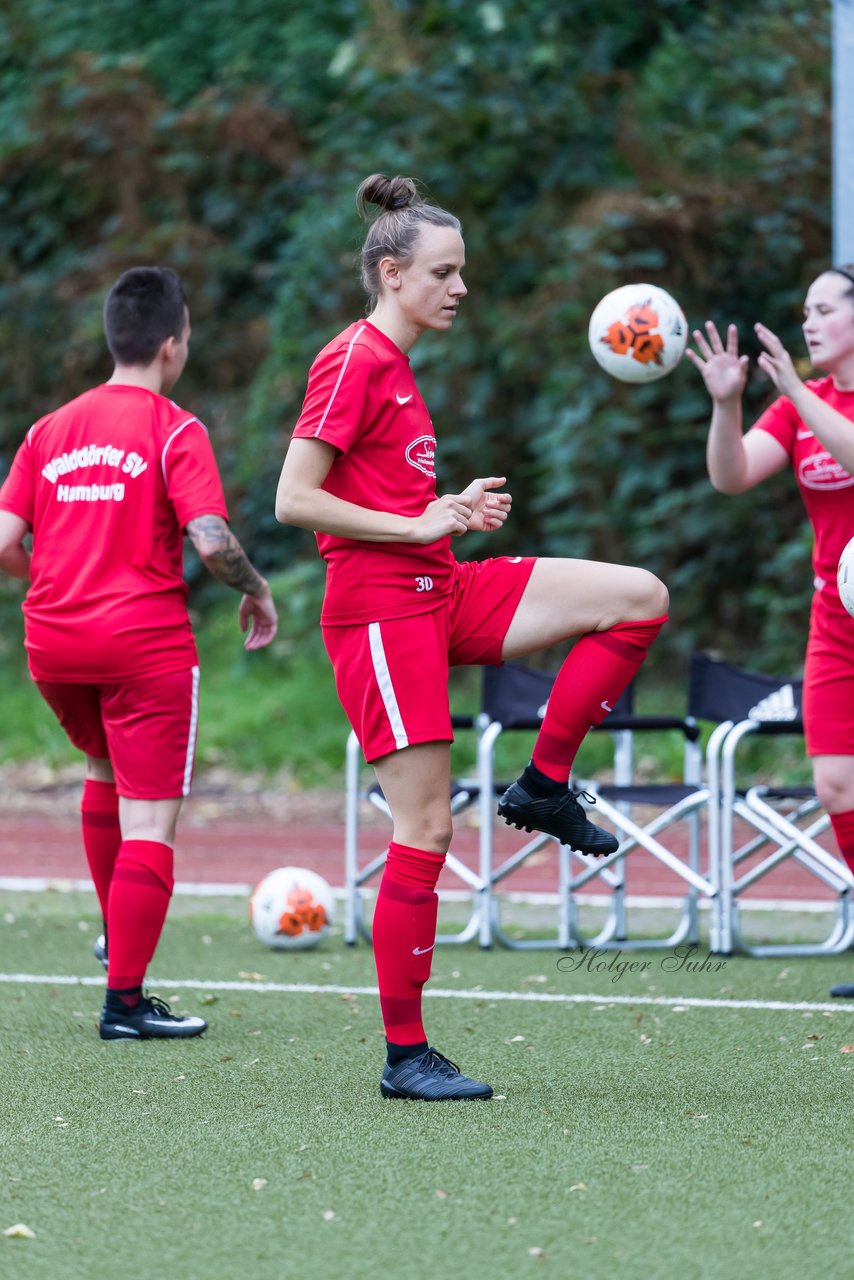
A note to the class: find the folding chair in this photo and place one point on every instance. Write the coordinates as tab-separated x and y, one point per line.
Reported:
514	698
464	794
786	818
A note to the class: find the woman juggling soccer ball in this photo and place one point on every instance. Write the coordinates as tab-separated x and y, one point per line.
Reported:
399	609
810	427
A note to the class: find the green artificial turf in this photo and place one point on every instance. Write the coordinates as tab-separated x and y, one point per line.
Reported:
626	1137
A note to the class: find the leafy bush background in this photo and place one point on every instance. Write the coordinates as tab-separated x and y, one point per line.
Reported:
583	145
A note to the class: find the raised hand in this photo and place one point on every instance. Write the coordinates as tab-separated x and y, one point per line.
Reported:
724	370
776	362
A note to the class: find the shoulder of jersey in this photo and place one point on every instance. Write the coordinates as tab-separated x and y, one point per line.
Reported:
363	342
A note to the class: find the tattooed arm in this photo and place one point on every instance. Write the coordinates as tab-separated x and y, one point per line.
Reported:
223	556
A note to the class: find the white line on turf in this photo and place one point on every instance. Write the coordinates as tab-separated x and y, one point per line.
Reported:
439	993
192	888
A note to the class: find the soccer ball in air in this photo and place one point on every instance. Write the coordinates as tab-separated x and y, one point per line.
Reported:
291	909
638	333
845	577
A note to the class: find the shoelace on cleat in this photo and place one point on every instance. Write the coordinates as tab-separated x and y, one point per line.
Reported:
570	801
433	1060
161	1007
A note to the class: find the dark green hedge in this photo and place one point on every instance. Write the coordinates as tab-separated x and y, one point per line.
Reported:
583	145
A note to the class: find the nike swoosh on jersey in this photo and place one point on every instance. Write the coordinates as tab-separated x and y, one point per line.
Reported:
402	399
421	951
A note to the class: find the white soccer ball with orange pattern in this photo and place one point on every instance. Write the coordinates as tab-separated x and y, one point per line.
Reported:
845	577
291	909
638	333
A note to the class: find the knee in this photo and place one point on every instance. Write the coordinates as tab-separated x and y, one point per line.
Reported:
431	832
438	833
649	597
834	787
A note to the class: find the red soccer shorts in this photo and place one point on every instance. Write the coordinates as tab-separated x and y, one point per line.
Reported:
829	682
146	728
392	675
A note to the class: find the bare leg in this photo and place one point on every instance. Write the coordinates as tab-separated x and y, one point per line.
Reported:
566	598
416	783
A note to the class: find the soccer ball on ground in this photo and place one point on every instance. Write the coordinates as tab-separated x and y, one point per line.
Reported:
845	577
638	333
291	909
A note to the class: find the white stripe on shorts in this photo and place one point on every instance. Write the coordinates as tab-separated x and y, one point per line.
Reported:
386	687
191	739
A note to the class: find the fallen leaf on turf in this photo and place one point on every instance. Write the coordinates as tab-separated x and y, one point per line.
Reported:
228	1057
328	1215
646	1039
440	1194
179	1077
847	1048
512	1222
536	1252
815	1036
208	999
499	1097
516	1040
258	1184
578	1186
251	977
20	1231
757	1223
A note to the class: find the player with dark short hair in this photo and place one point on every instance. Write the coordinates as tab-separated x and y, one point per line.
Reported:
399	609
107	485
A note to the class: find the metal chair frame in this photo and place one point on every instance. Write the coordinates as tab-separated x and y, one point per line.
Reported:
776	814
684	801
464	794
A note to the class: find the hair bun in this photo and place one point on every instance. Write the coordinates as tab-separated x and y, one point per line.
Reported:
387	193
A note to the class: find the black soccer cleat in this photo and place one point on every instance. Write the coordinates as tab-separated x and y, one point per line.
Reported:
151	1019
99	949
845	990
559	815
431	1077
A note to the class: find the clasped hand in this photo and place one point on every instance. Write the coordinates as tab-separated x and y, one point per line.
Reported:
477	509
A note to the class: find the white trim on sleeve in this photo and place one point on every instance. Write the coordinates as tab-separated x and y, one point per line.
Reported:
339	380
175	433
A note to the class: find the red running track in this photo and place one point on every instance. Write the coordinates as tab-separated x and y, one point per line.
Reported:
230	851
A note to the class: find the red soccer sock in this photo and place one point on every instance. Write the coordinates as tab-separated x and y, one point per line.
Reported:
139	899
404	932
843	829
594	674
102	836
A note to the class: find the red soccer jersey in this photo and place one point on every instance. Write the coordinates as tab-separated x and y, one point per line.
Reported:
107	484
824	483
362	399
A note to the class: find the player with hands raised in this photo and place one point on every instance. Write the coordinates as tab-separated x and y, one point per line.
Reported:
810	427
